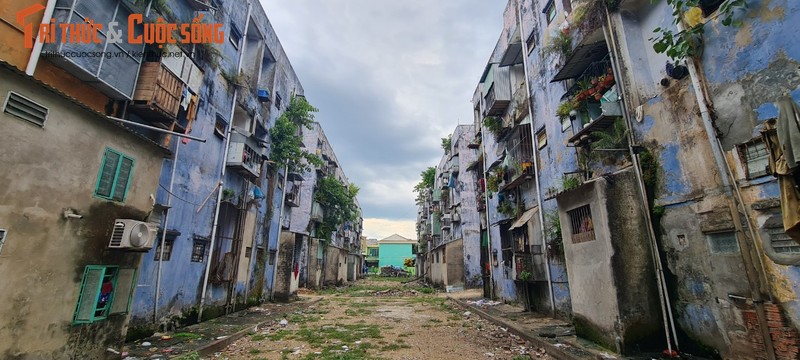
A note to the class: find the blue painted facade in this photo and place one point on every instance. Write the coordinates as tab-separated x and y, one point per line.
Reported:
260	57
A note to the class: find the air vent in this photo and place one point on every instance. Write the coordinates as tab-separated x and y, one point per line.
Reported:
25	109
116	236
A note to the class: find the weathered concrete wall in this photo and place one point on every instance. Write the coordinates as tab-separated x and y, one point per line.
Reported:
285	268
454	253
44	255
613	287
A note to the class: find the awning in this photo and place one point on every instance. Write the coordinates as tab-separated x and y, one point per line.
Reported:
513	53
526	216
581	58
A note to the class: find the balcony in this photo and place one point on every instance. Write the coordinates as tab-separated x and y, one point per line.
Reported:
609	113
243	156
519	104
114	75
293	197
158	93
496	104
317	212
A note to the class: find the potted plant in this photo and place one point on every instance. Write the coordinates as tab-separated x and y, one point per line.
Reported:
228	194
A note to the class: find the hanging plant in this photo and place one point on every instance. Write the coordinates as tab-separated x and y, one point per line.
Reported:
493	124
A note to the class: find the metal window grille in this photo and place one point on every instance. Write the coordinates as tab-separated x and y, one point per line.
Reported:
198	251
167	249
782	243
723	242
756	158
521	146
581	224
25	109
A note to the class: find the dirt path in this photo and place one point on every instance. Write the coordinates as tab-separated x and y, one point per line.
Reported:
381	320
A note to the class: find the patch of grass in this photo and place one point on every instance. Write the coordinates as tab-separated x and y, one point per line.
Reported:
186	335
427	290
255	351
258	337
346	334
189	356
405	334
357	312
393	347
279	335
454	317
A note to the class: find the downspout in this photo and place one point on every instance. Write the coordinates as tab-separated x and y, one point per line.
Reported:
216	211
663	294
535	159
488	221
38	44
164	230
252	251
280	230
756	279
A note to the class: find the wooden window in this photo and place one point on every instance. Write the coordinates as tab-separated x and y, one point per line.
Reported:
550	11
114	177
541	138
582	225
506	244
755	158
168	241
782	243
723	242
198	250
104	290
220	126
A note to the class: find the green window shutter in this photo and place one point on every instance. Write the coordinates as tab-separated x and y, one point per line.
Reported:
105	181
123	178
123	291
88	294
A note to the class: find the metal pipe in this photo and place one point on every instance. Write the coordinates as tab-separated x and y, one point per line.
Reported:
158	129
164	230
488	221
216	211
38	44
535	153
664	301
280	230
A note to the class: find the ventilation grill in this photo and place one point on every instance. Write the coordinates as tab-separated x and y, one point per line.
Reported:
25	109
116	236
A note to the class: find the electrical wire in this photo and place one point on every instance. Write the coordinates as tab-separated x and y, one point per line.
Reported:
177	197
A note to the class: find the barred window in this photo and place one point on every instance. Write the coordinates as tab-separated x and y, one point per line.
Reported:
755	158
581	224
782	243
723	242
198	251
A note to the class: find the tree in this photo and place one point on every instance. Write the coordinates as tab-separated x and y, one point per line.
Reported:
427	178
287	143
339	202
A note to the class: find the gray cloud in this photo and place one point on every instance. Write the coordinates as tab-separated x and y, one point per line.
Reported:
390	79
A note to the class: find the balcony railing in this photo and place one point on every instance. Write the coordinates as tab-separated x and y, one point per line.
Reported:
243	156
495	104
158	92
293	197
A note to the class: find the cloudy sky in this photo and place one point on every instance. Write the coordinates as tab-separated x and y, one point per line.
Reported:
391	78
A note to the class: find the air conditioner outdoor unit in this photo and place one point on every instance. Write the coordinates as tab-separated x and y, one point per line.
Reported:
132	235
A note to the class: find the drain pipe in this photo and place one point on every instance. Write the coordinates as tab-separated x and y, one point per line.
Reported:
164	230
731	188
216	211
666	305
536	179
39	43
488	221
280	230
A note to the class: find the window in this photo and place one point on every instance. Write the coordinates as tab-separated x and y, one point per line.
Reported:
754	158
541	138
168	241
506	243
550	11
25	109
198	250
220	126
566	123
248	251
782	243
567	5
723	242
581	224
104	290
278	101
235	36
530	42
115	175
373	252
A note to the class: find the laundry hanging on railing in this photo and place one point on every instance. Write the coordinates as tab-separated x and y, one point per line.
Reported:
452	182
783	143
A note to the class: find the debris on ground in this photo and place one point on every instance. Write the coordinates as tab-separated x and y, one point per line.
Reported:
482	303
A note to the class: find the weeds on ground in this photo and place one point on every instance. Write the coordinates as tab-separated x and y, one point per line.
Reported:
189	356
185	335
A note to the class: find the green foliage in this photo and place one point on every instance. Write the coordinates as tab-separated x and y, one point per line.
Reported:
564	109
570	182
287	143
560	44
447	143
525	275
555	245
493	124
428	176
509	209
207	52
687	43
339	202
614	138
